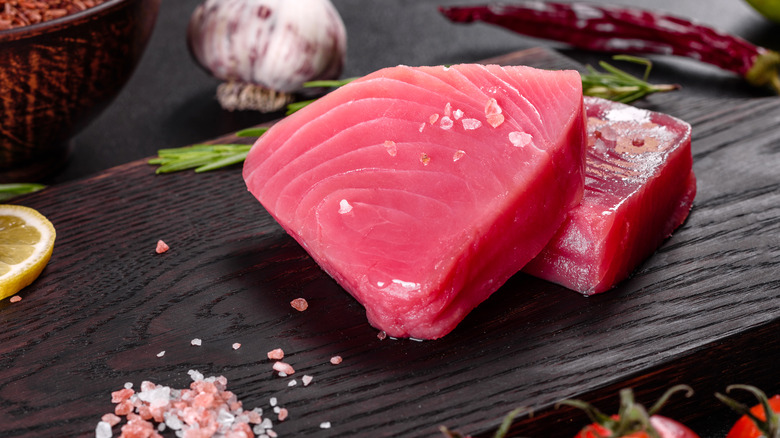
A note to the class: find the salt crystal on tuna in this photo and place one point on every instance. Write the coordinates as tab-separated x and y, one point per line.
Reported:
520	139
344	207
471	124
455	157
446	123
391	147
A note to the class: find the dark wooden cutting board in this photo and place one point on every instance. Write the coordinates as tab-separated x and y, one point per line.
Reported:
704	310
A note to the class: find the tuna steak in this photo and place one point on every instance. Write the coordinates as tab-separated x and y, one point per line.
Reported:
422	190
639	187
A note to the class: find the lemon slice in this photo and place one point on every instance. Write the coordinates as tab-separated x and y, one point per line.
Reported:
26	244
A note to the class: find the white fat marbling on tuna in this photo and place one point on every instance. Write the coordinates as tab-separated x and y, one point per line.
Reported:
471	124
520	139
344	206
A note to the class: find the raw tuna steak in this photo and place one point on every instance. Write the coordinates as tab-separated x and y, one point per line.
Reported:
639	187
422	190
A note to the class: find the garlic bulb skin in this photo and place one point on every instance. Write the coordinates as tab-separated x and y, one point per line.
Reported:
275	45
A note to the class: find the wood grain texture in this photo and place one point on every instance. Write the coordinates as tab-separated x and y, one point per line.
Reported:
704	310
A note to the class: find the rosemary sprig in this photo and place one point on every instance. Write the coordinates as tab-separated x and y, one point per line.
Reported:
613	84
8	191
618	85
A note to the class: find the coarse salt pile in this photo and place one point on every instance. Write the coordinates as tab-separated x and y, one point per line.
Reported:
206	409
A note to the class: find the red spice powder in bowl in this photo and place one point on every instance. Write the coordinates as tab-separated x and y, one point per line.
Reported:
18	13
60	73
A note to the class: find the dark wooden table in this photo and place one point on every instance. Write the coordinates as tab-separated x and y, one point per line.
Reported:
705	310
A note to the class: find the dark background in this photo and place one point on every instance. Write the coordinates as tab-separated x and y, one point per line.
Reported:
169	101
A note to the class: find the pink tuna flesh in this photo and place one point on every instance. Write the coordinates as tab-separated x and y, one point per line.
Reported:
422	190
639	187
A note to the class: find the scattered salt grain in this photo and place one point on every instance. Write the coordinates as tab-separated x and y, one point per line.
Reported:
325	425
271	433
299	304
292	383
277	409
236	346
161	354
306	380
15	299
471	124
197	342
162	247
335	360
195	375
425	159
276	354
455	157
284	367
433	118
128	385
457	114
344	207
520	139
495	120
391	147
283	413
422	127
448	109
272	401
103	430
382	335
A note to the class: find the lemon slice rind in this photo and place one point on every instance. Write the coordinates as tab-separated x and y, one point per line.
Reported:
22	274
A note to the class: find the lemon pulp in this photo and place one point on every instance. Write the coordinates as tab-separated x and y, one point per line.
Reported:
26	244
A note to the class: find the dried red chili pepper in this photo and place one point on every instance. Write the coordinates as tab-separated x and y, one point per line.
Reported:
628	30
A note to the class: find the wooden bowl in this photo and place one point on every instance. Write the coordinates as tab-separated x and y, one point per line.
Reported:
57	76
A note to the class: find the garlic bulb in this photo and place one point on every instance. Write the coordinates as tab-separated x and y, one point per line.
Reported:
266	49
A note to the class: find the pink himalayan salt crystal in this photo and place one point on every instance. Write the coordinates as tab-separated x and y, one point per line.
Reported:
382	335
276	354
15	299
448	109
162	247
283	413
457	114
236	345
299	304
335	360
520	139
284	367
307	379
391	147
121	395
493	113
111	419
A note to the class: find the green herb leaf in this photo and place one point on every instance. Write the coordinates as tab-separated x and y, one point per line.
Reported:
8	191
201	157
618	85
